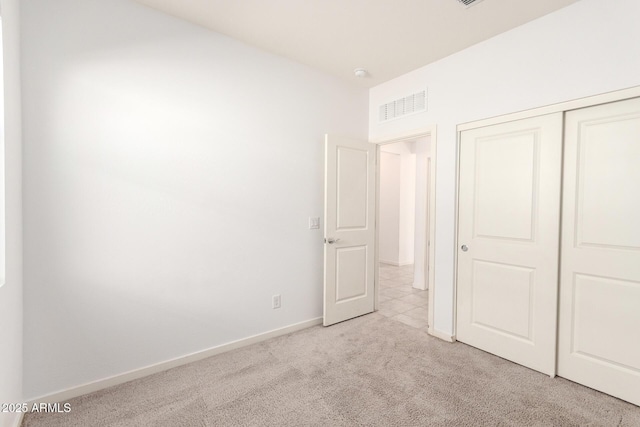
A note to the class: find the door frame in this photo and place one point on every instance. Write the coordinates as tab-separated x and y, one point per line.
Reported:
427	131
589	101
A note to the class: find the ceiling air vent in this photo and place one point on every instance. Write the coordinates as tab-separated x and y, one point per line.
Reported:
415	103
468	2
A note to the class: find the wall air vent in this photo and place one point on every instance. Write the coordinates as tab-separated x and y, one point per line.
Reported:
415	103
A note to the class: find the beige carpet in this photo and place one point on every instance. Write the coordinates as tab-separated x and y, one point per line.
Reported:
370	371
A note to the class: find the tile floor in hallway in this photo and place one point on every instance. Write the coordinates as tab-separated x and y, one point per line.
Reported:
399	300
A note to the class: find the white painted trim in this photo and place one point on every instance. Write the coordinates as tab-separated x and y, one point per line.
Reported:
404	136
455	236
63	395
376	249
17	420
441	335
431	285
574	104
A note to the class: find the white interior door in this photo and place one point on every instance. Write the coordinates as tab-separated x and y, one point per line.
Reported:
599	344
508	235
349	250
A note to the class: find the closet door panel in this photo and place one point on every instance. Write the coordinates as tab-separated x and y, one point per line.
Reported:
599	344
508	236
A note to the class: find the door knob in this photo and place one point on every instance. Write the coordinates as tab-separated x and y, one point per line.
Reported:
331	240
464	248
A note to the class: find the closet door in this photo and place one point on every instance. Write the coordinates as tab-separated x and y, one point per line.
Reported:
508	238
599	337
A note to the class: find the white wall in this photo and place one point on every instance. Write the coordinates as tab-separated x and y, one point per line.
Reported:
407	202
11	293
397	202
389	221
2	167
169	176
584	49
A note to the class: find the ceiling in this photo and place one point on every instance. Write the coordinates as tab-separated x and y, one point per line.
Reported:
386	37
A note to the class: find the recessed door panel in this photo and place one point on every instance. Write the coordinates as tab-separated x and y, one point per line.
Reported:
351	273
603	310
503	298
352	182
515	195
598	343
508	231
606	168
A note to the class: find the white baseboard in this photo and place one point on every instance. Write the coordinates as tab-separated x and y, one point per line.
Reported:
441	335
396	263
17	419
70	393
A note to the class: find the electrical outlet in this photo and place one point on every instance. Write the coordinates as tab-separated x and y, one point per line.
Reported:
276	302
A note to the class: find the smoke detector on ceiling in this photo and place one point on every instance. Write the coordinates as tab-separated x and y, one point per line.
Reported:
360	72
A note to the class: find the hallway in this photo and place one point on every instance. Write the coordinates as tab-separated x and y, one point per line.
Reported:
399	300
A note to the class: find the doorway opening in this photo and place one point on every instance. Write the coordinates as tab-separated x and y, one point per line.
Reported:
406	227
